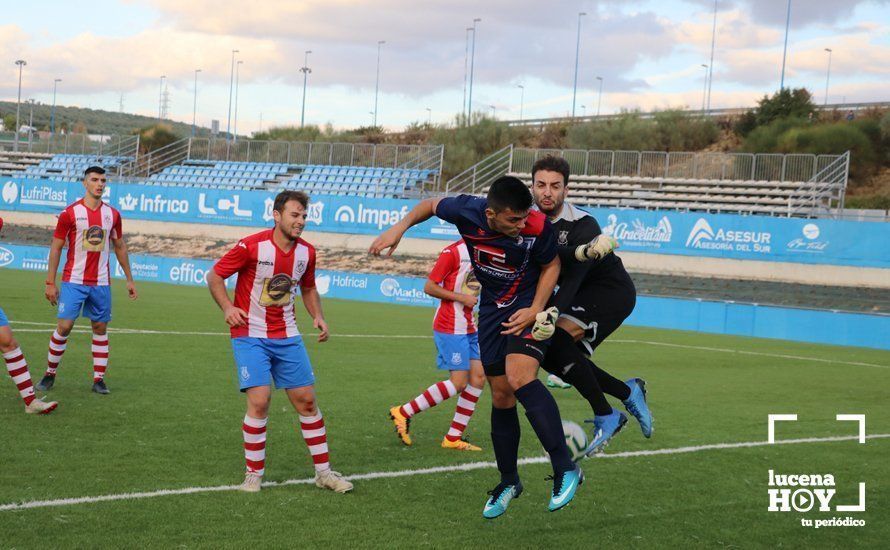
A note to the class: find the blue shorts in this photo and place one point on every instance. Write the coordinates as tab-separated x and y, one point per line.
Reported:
93	301
3	320
454	351
260	360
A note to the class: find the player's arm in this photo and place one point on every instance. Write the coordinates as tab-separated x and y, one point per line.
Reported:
587	243
55	256
524	317
227	266
235	317
435	290
312	303
390	238
123	258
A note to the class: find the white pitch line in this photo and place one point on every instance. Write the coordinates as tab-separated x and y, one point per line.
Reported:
116	330
409	473
756	353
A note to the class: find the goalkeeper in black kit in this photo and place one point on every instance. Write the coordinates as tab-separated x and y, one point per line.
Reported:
596	294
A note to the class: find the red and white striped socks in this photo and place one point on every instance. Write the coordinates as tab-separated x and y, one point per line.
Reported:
432	396
18	370
466	404
254	431
316	439
100	356
57	345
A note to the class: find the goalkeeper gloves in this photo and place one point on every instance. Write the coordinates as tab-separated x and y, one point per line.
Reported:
596	249
545	324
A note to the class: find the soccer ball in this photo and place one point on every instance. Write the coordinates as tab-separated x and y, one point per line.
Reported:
576	439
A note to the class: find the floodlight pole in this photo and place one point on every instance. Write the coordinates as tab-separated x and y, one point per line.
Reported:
231	85
305	70
377	83
18	105
704	92
521	99
52	114
577	55
827	76
785	50
195	103
429	116
472	70
710	76
235	121
599	98
161	97
463	105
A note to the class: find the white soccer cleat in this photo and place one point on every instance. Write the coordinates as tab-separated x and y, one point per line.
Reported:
253	482
39	406
329	479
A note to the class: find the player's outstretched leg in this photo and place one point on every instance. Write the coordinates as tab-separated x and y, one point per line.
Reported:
543	414
254	432
57	345
432	396
471	383
100	357
315	435
17	368
637	406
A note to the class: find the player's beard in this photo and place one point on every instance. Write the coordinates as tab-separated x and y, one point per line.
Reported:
553	210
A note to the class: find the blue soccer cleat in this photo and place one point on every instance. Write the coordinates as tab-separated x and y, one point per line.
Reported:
499	499
637	406
604	429
564	487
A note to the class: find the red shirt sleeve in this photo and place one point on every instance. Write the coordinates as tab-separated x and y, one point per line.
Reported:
444	266
308	278
117	227
233	261
63	226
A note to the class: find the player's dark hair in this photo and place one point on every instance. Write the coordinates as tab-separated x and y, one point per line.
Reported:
509	192
552	164
93	170
286	196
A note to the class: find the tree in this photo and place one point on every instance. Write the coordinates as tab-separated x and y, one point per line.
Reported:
9	122
787	103
156	136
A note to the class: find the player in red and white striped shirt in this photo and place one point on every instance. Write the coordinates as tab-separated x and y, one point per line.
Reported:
18	368
454	330
267	345
89	228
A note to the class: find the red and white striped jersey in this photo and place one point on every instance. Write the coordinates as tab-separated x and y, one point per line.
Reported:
454	272
88	235
267	281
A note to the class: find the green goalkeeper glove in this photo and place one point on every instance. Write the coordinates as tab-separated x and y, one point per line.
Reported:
545	324
596	249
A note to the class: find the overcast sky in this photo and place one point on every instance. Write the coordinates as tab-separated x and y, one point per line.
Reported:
649	54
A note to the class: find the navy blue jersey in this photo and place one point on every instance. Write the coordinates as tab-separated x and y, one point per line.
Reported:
507	267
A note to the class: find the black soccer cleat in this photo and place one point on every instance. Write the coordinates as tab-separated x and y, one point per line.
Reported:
46	383
99	387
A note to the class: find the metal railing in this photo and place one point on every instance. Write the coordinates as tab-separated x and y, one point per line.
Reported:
74	144
477	177
824	192
821	179
157	160
337	154
715	113
685	165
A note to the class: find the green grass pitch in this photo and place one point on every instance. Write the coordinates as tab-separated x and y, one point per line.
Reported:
173	421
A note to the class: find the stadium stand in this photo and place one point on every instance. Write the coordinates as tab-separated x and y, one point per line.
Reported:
16	163
779	185
64	167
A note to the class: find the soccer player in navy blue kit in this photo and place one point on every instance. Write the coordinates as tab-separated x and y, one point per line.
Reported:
514	255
